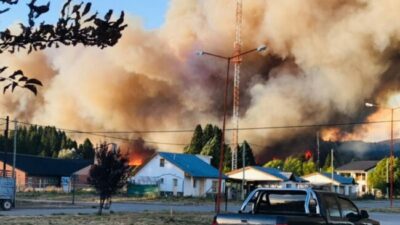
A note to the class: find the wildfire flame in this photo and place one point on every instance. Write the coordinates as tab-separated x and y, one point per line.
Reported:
370	132
308	154
135	162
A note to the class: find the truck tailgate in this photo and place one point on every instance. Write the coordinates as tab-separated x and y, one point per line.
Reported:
244	218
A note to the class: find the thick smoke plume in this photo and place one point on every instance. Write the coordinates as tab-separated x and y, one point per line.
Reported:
324	59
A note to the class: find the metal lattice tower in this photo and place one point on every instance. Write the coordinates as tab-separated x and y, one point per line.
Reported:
236	83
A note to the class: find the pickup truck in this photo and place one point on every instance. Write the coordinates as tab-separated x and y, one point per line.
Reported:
296	207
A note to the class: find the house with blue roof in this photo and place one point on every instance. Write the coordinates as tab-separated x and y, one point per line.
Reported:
333	182
179	174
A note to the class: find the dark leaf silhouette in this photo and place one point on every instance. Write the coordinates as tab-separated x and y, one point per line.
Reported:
16	73
23	79
107	17
14	84
2	79
34	81
4	10
31	88
87	8
77	25
6	87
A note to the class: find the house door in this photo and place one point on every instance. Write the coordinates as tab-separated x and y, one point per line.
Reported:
175	187
202	185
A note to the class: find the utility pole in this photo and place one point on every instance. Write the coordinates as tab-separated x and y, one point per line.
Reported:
243	169
387	178
391	160
14	175
318	162
5	147
332	169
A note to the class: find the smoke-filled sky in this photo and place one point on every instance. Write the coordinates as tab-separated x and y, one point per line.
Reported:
324	59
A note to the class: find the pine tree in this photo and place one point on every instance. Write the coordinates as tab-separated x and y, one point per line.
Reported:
196	144
208	133
249	157
212	149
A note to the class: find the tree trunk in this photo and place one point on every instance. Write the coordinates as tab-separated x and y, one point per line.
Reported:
101	205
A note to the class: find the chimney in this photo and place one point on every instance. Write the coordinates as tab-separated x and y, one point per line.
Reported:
205	158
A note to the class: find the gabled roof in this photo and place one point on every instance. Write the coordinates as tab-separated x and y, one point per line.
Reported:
45	166
274	172
191	164
338	178
358	166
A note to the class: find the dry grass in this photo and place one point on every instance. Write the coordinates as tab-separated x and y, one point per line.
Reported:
114	219
92	197
385	210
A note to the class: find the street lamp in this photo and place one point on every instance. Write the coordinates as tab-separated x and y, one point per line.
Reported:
391	176
221	158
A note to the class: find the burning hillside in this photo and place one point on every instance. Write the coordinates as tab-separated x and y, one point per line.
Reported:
324	59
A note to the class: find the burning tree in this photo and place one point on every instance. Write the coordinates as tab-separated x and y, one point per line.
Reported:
76	25
109	173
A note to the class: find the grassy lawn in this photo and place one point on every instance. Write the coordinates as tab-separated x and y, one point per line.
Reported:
92	197
114	219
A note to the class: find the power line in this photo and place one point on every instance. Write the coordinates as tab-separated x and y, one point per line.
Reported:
104	134
229	129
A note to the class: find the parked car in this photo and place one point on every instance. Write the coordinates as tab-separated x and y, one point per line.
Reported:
296	207
7	188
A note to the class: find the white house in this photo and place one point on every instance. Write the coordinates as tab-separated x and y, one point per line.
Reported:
339	184
267	177
359	171
180	174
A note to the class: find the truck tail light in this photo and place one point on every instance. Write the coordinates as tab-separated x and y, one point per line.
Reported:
214	221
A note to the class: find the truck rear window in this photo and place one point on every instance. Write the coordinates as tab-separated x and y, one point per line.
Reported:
276	202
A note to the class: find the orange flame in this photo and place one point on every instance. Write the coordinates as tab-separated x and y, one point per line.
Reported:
378	129
135	162
308	154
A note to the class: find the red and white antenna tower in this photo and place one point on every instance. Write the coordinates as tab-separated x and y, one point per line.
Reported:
236	83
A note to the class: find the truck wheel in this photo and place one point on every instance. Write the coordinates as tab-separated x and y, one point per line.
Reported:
6	205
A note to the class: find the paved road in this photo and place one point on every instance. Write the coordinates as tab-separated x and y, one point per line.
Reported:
81	208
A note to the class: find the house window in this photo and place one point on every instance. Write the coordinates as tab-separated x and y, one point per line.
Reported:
360	176
288	185
161	180
175	181
363	188
162	162
214	186
194	183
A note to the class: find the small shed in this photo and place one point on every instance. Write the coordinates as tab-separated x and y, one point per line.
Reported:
257	176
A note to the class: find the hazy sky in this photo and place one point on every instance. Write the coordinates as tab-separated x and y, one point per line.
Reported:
151	12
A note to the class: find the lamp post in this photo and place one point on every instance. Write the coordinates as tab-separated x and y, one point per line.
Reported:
391	175
222	148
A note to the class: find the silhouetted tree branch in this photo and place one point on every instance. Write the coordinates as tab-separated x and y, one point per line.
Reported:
76	25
